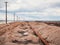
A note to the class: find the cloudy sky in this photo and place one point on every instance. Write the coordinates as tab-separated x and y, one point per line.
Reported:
31	9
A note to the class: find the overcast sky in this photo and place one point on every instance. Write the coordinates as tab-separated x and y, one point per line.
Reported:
31	9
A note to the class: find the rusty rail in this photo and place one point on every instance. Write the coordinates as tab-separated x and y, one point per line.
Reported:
39	35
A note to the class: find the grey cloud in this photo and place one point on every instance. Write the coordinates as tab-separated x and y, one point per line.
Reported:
36	9
56	5
2	2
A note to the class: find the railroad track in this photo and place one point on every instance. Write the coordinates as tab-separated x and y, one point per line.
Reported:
4	25
39	35
6	28
26	41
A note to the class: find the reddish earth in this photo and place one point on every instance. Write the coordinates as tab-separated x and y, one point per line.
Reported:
20	33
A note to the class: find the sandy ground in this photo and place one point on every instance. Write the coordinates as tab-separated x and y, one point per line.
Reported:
20	33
